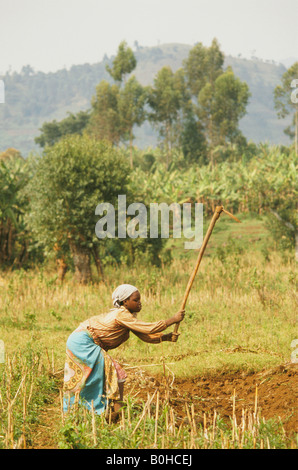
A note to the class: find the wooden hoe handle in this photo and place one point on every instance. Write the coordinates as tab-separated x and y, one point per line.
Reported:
218	211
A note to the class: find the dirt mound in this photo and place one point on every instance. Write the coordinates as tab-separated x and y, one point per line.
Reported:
276	391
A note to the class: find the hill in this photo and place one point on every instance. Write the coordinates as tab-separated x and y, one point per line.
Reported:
35	97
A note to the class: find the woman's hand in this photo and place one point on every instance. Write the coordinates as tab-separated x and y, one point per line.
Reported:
177	318
170	337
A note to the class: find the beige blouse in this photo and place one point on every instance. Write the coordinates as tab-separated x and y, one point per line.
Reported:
112	329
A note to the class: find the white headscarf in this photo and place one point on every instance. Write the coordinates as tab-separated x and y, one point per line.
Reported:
122	292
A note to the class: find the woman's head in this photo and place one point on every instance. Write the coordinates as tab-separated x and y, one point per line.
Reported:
128	296
133	302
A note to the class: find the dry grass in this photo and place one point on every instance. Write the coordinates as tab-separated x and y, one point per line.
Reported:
242	303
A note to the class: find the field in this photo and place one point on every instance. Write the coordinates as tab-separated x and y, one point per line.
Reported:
229	382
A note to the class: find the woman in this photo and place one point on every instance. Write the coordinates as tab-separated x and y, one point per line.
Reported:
91	376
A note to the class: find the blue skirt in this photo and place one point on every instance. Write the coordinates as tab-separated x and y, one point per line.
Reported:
84	374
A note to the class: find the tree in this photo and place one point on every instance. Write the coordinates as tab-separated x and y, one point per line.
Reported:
119	107
193	142
69	181
286	101
51	132
166	99
219	98
202	66
131	108
105	122
123	64
220	107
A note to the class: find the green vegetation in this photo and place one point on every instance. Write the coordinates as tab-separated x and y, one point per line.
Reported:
51	132
64	191
166	100
118	108
36	221
14	236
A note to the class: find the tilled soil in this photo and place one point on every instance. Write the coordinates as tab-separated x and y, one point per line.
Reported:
276	391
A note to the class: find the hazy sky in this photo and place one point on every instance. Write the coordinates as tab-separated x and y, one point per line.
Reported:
52	34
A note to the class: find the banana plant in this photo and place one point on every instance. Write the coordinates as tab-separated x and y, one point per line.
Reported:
13	243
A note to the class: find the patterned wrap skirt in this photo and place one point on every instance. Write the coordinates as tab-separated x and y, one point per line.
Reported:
91	376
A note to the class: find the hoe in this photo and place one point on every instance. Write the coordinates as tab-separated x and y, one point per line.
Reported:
217	212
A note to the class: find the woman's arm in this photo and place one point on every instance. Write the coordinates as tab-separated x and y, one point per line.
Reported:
177	318
151	332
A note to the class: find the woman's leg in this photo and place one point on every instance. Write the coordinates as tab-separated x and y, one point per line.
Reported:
119	403
121	389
